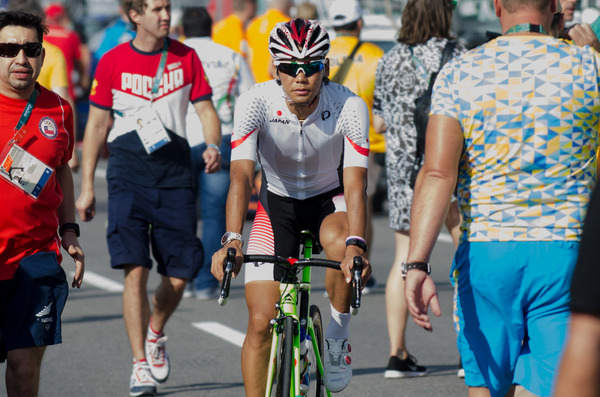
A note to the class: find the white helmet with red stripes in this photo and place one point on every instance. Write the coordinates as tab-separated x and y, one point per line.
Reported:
299	39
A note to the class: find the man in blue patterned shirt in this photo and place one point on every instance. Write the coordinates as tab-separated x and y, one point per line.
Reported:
515	122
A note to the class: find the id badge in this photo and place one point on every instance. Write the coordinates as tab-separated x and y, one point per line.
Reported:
150	130
25	171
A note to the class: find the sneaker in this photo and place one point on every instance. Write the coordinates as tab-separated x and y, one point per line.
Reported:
188	292
158	359
403	368
338	364
142	383
368	288
205	294
305	375
461	371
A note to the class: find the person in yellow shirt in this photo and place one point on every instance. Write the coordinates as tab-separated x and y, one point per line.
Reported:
54	72
258	38
346	18
231	31
53	76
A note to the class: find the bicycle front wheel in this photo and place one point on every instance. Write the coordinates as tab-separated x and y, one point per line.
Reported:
317	323
286	360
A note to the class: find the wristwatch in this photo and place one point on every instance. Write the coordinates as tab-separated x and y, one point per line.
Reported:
229	237
68	226
424	266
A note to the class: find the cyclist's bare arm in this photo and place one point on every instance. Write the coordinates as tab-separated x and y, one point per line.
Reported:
355	184
240	188
96	131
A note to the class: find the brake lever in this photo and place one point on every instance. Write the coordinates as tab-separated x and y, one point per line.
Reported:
357	268
226	283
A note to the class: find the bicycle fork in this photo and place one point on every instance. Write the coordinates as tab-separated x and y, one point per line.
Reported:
286	307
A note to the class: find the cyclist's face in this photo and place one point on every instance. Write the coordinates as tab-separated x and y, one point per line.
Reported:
301	89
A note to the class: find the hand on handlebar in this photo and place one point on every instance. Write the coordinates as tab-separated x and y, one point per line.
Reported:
219	260
347	263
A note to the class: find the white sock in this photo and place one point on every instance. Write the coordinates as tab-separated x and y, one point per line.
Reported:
338	326
151	334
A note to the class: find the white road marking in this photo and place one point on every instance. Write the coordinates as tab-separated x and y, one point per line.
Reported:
222	331
98	281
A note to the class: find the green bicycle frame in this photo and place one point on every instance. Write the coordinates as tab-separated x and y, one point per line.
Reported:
290	305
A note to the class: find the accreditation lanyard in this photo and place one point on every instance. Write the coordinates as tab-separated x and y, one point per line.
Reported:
420	67
19	167
20	132
161	69
149	127
526	27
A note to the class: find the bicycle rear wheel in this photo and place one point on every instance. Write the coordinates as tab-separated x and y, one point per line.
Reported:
285	360
315	315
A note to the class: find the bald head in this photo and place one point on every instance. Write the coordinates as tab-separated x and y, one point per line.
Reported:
516	5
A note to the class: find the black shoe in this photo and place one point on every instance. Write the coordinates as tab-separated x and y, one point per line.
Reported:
403	368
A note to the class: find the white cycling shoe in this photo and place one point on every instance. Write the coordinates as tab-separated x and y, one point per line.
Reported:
338	364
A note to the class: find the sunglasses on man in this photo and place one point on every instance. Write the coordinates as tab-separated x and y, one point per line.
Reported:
11	50
292	68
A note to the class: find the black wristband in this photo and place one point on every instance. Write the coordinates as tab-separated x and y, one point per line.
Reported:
358	242
423	266
68	226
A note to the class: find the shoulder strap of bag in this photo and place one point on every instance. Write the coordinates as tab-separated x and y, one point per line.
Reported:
342	73
447	53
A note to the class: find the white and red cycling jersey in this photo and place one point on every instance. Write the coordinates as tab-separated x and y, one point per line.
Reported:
301	159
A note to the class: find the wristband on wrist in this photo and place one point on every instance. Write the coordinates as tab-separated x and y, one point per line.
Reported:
212	145
357	241
69	226
423	266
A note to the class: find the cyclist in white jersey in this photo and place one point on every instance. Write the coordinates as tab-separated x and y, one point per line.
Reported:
310	137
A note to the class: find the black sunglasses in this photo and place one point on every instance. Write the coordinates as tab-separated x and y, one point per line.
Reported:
308	68
11	50
556	19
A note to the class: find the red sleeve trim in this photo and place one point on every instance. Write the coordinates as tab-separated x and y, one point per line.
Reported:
238	142
359	149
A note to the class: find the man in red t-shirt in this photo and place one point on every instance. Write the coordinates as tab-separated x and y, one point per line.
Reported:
69	43
38	205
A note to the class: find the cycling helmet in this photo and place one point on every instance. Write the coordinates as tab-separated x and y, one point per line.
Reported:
299	39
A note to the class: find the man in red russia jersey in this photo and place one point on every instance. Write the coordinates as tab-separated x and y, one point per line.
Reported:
38	205
147	83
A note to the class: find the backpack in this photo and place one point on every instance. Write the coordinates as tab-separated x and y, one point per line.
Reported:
422	107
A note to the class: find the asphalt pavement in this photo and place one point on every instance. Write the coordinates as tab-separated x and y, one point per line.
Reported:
204	338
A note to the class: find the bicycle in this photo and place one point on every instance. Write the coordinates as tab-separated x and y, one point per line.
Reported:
294	313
